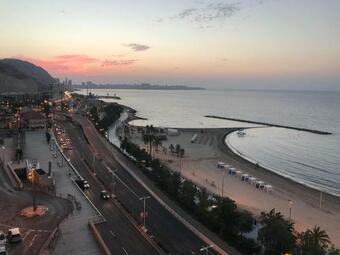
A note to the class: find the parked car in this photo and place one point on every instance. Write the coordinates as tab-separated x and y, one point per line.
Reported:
14	235
104	195
3	239
3	250
86	184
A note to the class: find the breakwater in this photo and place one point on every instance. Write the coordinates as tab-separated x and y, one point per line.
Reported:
270	125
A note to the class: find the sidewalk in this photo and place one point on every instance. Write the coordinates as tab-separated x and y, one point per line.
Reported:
76	237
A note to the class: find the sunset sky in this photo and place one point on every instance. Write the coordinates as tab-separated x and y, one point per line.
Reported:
275	44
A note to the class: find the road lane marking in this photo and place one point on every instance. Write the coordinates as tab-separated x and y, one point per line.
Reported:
26	234
134	193
35	235
125	251
114	236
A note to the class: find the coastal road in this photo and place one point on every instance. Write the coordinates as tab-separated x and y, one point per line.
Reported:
119	234
172	235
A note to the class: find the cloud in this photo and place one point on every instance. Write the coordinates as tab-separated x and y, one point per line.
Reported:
137	46
75	58
208	13
79	63
119	62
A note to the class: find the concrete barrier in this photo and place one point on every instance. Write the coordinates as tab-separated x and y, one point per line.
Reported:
99	239
16	182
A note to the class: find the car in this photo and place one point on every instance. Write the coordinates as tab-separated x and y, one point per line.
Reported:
14	235
3	250
86	184
104	195
3	239
83	184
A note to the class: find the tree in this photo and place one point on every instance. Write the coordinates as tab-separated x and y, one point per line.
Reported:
314	241
333	251
181	152
172	149
187	195
203	204
276	234
157	142
221	218
178	149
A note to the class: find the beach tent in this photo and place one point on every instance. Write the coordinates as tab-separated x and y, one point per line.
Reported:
252	180
259	184
232	170
238	173
244	176
225	166
268	188
220	164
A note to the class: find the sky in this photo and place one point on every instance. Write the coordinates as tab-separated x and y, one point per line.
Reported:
242	44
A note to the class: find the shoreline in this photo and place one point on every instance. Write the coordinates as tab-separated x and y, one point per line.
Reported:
225	148
306	211
229	150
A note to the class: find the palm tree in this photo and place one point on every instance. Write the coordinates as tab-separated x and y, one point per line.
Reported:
178	149
276	234
171	148
315	241
157	142
181	155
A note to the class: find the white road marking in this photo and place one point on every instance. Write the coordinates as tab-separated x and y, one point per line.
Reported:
125	251
35	235
134	193
112	234
26	234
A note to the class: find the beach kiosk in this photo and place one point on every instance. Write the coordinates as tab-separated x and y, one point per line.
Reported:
220	164
252	180
245	177
238	173
259	184
232	170
225	166
268	188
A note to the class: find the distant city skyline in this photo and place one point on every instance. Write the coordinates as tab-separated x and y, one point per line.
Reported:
249	44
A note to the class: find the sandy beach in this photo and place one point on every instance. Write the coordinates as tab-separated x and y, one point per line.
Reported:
199	165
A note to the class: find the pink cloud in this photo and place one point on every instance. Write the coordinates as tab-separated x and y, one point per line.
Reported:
118	62
77	64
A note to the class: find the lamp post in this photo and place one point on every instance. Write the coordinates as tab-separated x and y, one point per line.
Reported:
290	206
3	154
206	249
223	172
144	207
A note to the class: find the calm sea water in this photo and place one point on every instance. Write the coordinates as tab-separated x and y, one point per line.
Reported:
307	158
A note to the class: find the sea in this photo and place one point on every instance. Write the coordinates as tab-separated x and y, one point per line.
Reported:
308	158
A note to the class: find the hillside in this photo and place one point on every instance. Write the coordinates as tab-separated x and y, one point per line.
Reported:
30	69
19	76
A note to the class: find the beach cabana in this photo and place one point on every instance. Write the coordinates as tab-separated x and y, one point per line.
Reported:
244	177
238	173
225	166
259	184
220	164
268	188
232	171
252	180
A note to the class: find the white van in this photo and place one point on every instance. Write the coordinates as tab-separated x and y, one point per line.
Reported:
14	235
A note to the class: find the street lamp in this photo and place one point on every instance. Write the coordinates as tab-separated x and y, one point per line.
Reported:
3	154
206	249
144	211
223	172
290	206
